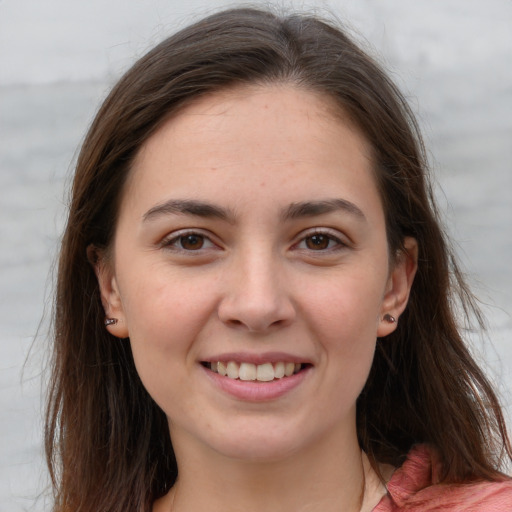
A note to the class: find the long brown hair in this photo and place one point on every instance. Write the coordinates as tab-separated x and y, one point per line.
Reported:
107	442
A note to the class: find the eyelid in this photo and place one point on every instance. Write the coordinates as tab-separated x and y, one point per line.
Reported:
172	238
342	241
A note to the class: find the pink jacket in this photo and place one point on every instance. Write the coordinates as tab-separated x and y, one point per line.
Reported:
411	489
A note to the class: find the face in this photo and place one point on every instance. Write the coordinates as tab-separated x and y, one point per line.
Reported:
251	241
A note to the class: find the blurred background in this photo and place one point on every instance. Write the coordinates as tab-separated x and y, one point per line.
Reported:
58	58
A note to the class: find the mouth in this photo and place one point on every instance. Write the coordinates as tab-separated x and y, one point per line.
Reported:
265	372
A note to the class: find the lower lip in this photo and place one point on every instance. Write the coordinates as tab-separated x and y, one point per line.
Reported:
256	391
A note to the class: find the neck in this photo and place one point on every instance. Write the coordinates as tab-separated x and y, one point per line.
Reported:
327	477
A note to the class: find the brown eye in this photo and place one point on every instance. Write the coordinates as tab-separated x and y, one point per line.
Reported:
188	242
317	242
191	242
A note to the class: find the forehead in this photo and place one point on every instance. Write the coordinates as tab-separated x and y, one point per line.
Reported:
244	109
275	136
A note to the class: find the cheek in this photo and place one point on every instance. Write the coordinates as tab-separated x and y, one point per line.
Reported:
160	299
164	316
344	317
349	304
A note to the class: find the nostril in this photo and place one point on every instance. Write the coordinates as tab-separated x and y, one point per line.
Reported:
255	294
256	314
255	325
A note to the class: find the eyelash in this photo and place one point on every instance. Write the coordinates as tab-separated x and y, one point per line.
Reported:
325	235
175	242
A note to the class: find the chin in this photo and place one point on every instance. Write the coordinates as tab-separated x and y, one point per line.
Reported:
259	450
263	441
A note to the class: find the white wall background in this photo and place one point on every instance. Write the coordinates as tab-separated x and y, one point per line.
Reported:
57	59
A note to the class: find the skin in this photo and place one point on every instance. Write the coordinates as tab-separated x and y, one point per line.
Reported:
253	279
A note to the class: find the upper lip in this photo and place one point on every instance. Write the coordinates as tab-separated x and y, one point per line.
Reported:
261	358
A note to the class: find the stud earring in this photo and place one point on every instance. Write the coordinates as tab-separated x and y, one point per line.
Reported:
110	321
389	318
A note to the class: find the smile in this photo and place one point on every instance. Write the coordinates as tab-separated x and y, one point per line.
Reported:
265	372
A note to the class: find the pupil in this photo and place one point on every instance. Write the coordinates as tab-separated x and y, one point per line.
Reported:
317	242
192	242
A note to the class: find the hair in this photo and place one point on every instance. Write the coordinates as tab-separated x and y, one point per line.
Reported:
107	442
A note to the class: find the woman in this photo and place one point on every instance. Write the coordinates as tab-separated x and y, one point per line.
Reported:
256	306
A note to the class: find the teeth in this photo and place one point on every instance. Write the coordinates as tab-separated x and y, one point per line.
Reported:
265	372
247	371
232	370
279	370
221	368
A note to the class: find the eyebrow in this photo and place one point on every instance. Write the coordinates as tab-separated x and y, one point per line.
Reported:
208	210
314	208
189	207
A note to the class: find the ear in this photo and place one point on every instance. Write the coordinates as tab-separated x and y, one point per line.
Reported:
398	287
109	291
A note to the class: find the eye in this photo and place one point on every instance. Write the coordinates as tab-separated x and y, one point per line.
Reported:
188	242
191	242
320	241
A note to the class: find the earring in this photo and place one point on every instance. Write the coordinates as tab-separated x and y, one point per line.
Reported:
110	321
389	318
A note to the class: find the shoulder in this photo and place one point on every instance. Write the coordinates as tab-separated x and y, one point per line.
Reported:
411	488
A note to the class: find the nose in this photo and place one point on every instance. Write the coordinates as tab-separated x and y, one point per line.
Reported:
257	296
